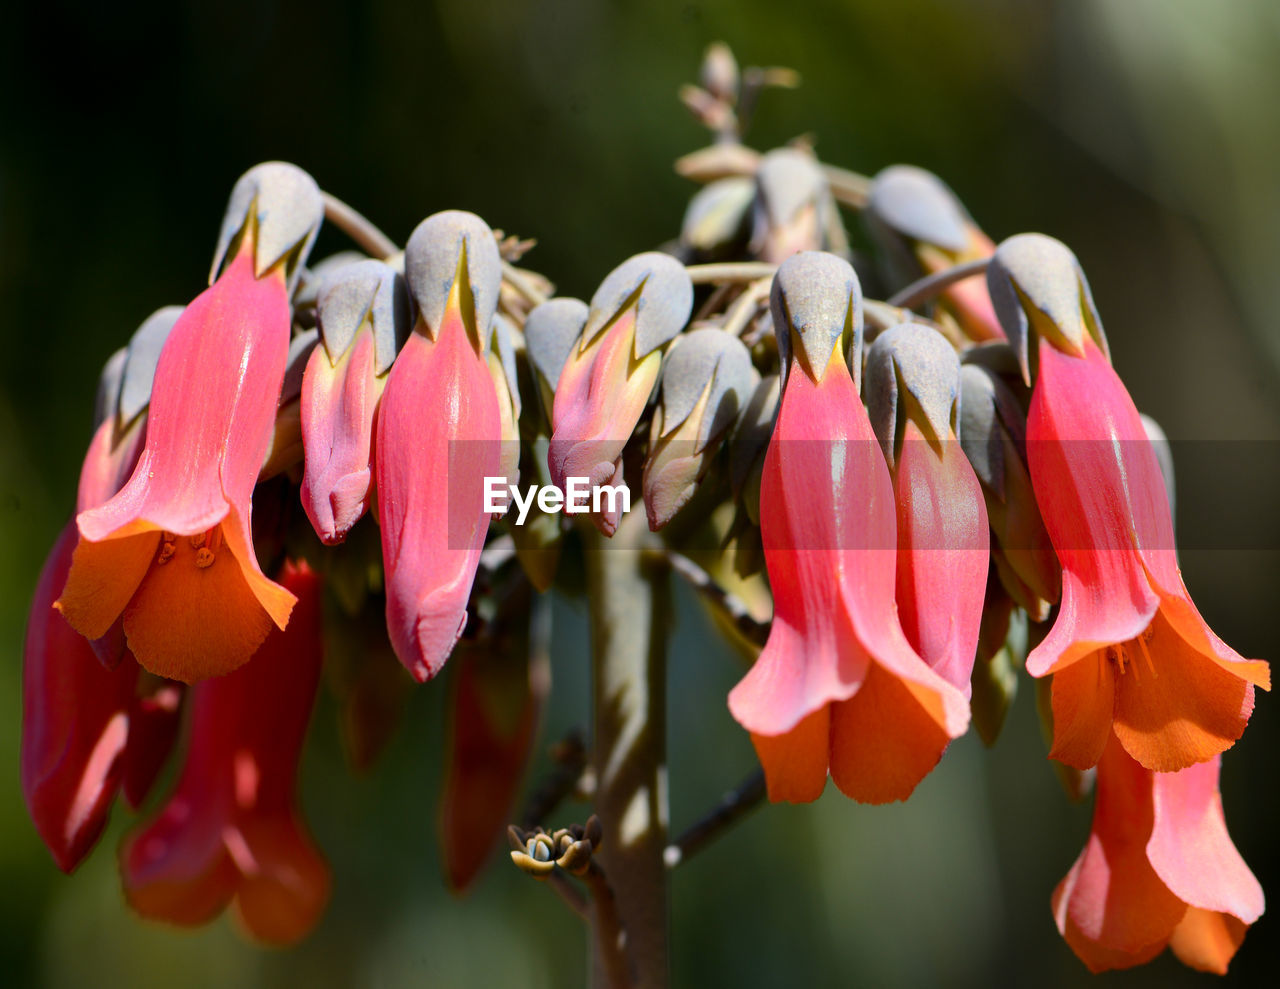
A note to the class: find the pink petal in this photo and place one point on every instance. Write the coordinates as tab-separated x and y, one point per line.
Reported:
338	404
1191	850
1104	504
439	436
943	552
213	405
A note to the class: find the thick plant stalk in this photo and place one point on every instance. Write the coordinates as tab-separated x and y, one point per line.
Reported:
628	587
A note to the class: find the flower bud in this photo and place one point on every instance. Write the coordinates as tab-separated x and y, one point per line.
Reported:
925	229
706	379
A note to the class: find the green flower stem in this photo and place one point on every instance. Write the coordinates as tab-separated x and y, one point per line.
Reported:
628	597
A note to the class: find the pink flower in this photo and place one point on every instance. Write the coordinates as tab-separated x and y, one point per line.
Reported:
1159	869
439	434
913	390
1128	651
837	688
172	553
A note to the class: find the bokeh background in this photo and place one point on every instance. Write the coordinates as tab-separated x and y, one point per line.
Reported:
1142	132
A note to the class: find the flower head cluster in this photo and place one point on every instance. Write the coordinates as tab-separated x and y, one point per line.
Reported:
878	495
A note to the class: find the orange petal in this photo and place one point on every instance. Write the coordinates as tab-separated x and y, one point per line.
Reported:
883	740
188	622
1084	700
1112	907
795	763
103	578
277	600
1187	713
1206	940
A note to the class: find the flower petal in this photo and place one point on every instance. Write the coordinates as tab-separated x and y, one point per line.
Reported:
795	762
883	740
1191	850
75	722
188	622
429	483
338	403
1102	496
1207	941
1187	713
943	553
1112	900
213	406
1084	703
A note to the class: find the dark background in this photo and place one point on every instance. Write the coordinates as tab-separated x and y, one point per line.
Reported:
1144	133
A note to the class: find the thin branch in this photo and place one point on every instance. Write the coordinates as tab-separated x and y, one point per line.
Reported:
739	271
745	305
879	316
849	188
927	288
570	755
733	806
356	226
751	629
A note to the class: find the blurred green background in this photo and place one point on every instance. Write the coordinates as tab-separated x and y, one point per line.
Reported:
1142	132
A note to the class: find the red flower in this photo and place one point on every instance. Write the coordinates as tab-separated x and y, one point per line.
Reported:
837	687
1129	651
1159	869
172	552
86	731
230	832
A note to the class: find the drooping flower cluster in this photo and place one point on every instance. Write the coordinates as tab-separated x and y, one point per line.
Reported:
880	495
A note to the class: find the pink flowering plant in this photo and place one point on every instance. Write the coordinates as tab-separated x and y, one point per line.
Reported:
901	509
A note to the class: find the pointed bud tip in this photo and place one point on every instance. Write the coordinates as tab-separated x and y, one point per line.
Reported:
818	296
1036	284
787	180
924	365
431	265
364	290
550	331
664	299
700	358
916	204
287	208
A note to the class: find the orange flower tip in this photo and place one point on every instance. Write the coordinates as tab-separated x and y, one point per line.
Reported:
452	265
276	210
196	614
653	285
921	363
916	205
816	302
1037	285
